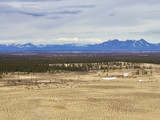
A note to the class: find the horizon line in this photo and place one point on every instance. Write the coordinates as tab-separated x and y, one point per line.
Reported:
74	42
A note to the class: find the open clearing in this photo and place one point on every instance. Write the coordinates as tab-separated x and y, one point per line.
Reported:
80	96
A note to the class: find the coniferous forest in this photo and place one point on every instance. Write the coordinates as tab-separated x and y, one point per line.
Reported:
41	64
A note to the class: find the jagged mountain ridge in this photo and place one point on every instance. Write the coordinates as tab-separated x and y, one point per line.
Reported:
111	45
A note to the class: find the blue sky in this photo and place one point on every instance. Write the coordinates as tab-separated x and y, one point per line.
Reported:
78	21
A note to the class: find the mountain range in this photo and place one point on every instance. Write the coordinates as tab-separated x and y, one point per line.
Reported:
111	45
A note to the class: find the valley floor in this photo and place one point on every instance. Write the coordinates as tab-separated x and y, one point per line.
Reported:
80	96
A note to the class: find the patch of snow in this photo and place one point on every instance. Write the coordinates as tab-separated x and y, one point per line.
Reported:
125	74
99	72
140	80
113	78
79	45
141	41
28	46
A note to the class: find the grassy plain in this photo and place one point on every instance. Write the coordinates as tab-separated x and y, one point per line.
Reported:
81	96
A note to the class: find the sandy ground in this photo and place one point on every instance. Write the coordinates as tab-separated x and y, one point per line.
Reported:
80	96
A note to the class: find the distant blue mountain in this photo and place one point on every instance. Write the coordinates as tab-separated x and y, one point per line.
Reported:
111	45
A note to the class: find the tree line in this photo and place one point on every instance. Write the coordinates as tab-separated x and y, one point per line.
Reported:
38	64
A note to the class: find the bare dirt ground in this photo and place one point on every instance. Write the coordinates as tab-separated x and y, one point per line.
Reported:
80	96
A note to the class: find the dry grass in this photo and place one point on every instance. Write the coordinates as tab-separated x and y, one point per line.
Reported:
80	96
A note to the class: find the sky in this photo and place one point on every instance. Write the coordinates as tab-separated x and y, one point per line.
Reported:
78	21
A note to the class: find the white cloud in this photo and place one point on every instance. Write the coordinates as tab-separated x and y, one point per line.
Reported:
90	21
75	40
